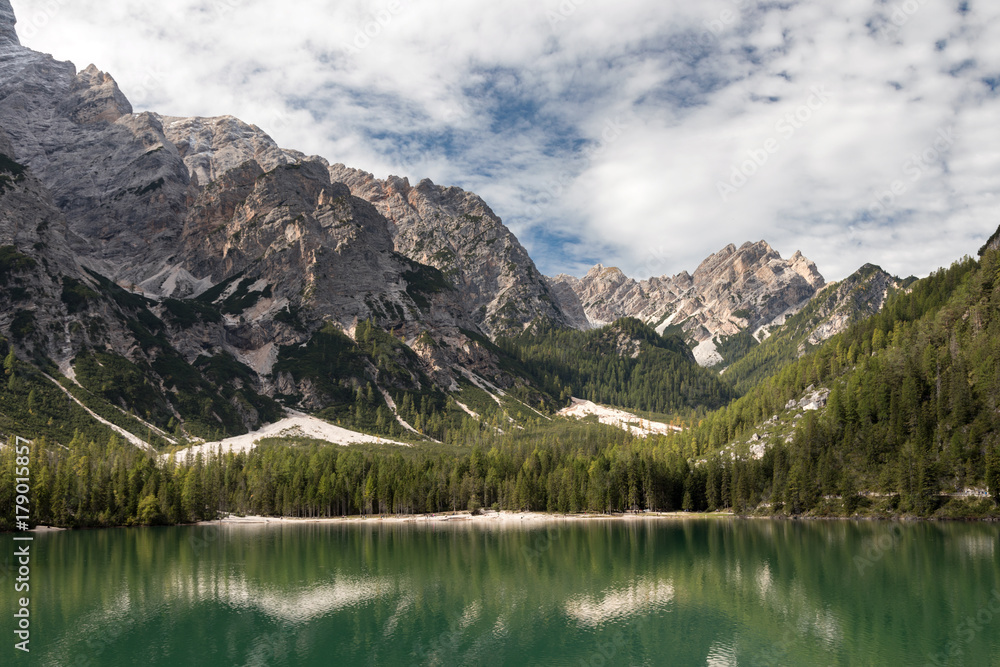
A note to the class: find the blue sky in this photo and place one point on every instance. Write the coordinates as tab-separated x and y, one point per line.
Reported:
646	134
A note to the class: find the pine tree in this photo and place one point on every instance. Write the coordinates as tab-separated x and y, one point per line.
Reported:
10	362
993	473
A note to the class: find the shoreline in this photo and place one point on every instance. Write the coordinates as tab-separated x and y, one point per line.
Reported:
508	518
444	518
511	518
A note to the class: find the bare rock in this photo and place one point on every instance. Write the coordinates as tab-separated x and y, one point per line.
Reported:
457	232
734	290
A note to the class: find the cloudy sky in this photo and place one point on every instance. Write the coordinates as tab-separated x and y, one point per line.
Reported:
641	133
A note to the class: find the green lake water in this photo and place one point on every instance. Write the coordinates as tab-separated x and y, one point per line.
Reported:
614	592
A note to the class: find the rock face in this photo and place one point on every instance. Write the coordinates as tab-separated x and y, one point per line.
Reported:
10	46
858	296
211	208
40	275
734	290
181	246
993	243
121	185
456	232
210	147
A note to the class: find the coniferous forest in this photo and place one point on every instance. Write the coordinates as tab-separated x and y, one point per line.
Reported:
912	420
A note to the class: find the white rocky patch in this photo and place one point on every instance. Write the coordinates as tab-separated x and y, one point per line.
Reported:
297	425
764	331
261	360
175	280
706	354
482	384
467	410
135	440
617	418
667	322
392	406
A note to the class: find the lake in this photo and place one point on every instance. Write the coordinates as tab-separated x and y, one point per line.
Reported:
706	591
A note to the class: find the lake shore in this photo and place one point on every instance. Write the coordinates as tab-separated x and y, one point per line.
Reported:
510	518
487	517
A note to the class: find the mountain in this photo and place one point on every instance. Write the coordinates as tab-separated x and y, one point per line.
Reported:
832	311
194	253
733	291
896	414
456	232
624	364
165	280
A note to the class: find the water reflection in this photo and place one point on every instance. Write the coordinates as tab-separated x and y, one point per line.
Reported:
615	592
619	604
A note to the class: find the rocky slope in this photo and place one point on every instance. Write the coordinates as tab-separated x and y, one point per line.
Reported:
860	295
193	271
734	290
221	246
830	312
456	232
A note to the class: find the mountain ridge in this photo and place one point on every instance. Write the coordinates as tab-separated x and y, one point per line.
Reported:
732	291
193	251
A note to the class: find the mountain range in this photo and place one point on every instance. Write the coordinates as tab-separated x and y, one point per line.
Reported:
198	255
176	291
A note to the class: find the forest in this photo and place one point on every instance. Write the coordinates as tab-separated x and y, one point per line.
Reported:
624	364
912	420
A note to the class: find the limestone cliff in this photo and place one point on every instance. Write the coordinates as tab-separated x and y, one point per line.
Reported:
457	232
733	290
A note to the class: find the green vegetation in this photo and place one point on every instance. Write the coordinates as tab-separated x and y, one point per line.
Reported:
912	418
185	313
212	295
572	467
733	348
23	326
330	359
912	412
290	315
120	382
752	364
125	299
626	364
32	406
423	281
169	386
235	381
339	370
11	172
242	298
13	262
76	295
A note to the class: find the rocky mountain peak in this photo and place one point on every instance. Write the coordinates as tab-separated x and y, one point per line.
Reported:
8	35
860	295
807	269
95	97
730	262
735	289
399	184
458	233
210	147
607	277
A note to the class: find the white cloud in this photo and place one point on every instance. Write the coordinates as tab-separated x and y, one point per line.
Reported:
518	100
